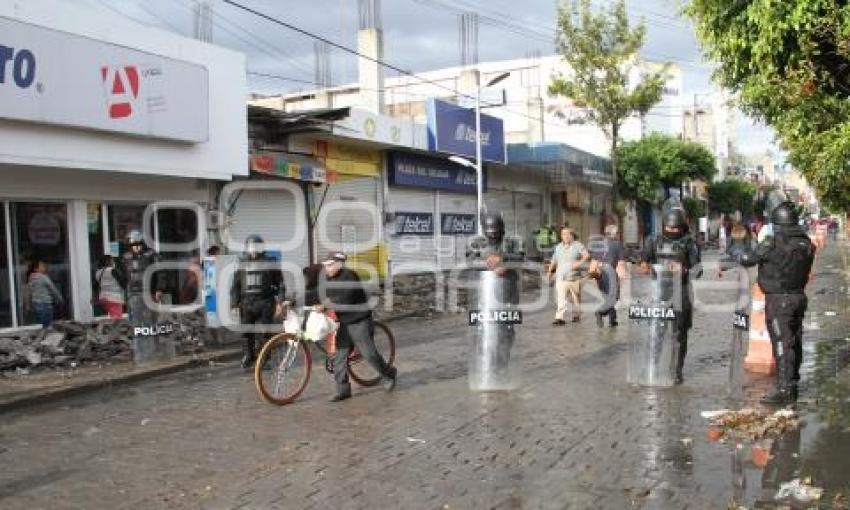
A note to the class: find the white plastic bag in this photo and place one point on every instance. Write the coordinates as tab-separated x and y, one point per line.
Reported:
318	327
292	323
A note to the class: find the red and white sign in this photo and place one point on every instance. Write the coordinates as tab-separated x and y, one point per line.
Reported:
54	77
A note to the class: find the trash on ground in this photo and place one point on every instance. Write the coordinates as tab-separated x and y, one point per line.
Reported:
145	421
713	414
415	440
687	442
799	490
750	424
829	314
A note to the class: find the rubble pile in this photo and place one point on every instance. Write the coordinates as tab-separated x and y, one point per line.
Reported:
67	342
750	424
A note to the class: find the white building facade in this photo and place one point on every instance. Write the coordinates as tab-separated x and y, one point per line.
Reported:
99	118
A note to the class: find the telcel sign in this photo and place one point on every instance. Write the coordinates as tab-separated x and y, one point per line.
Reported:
53	77
451	129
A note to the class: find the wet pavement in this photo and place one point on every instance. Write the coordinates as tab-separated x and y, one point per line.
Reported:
574	435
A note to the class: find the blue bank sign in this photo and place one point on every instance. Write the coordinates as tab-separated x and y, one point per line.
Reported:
429	172
451	129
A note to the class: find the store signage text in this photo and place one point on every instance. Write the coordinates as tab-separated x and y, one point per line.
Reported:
454	224
81	82
451	129
429	172
22	66
414	223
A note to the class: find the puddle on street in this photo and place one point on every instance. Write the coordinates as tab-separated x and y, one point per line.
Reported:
818	451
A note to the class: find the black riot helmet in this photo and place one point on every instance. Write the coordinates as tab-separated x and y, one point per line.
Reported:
494	228
134	238
784	214
254	245
675	223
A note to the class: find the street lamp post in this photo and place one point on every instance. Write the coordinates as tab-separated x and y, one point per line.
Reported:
479	170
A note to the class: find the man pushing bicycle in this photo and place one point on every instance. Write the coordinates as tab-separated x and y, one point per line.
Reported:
340	289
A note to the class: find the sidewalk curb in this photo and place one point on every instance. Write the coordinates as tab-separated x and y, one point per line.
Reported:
38	397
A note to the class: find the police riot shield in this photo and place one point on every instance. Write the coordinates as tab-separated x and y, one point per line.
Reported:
740	327
151	337
493	316
654	349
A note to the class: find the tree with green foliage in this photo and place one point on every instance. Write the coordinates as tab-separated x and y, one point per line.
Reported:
661	160
789	62
601	49
732	195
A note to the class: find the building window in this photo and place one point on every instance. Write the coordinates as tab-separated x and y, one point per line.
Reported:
5	281
40	234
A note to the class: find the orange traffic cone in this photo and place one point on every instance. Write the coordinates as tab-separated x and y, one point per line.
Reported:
760	352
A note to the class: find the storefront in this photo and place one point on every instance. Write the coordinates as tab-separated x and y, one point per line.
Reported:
431	202
121	137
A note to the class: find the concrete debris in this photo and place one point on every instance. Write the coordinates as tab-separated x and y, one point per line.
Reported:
68	343
801	491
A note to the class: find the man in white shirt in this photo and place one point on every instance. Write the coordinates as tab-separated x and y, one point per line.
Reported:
569	257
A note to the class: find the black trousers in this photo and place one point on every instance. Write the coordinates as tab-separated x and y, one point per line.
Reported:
609	286
784	315
362	335
259	313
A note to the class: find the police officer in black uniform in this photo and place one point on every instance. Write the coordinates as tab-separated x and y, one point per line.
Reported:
677	250
258	289
494	253
784	261
130	274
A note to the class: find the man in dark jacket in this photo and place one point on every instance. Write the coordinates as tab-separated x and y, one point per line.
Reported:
784	260
677	254
341	290
257	289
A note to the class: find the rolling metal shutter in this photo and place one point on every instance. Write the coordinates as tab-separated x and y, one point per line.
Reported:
529	217
412	253
350	220
502	202
452	248
274	215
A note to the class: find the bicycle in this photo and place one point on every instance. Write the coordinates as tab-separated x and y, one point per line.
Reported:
284	365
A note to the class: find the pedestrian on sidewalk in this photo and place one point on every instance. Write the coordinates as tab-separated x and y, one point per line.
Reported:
566	268
109	293
341	290
44	297
784	262
608	252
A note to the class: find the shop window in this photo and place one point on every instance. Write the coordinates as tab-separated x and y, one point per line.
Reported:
40	234
5	284
171	226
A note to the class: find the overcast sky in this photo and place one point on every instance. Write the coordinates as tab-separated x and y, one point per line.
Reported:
419	35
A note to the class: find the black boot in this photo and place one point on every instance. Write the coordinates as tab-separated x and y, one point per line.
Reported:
680	359
780	395
343	392
248	353
612	318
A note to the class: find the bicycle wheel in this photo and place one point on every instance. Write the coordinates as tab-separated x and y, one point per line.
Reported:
360	370
282	369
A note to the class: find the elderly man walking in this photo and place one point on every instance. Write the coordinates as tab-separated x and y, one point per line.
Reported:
569	257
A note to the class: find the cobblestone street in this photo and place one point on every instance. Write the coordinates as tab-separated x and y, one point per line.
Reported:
575	435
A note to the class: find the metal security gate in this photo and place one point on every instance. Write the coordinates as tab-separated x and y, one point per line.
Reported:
349	219
452	247
529	217
274	215
412	253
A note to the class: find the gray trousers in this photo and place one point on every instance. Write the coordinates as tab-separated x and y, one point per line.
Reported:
362	335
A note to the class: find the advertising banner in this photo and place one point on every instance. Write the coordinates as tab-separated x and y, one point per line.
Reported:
457	224
54	77
435	173
451	129
414	223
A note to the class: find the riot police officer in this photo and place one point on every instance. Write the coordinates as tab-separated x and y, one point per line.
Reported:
257	290
784	261
676	249
495	253
130	274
